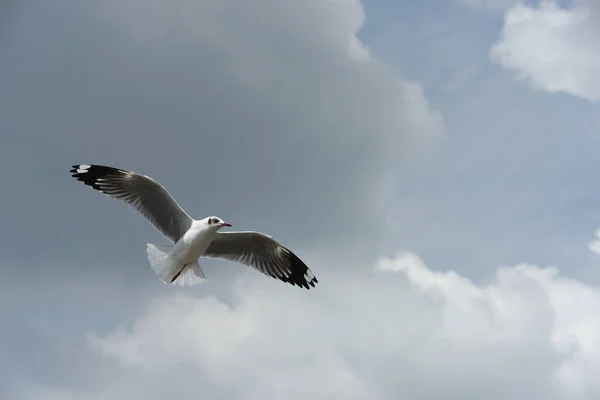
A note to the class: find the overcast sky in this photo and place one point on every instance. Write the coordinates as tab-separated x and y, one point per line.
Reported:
434	162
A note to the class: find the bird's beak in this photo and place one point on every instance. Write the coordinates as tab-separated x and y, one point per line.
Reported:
225	224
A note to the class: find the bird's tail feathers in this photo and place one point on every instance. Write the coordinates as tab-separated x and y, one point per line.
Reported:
170	271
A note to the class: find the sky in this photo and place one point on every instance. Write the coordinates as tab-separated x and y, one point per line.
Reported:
433	162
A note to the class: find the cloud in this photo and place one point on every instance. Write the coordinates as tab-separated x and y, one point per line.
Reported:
594	245
275	117
553	48
401	329
333	124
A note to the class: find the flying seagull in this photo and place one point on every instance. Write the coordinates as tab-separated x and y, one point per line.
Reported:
178	264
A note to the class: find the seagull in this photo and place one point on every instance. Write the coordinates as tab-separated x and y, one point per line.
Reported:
178	264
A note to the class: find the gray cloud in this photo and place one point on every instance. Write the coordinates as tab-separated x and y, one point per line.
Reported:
287	126
256	118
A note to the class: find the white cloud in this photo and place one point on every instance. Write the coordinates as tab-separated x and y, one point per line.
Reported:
594	245
402	330
554	49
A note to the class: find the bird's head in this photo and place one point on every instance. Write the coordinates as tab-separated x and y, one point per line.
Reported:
216	223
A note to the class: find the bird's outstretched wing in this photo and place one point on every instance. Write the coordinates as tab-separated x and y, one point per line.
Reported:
261	252
141	192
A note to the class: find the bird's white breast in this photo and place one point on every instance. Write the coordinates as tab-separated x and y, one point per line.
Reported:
194	242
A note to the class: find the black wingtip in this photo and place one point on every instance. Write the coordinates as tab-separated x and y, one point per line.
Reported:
90	173
301	275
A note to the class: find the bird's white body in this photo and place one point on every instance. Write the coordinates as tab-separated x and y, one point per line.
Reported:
178	264
194	242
